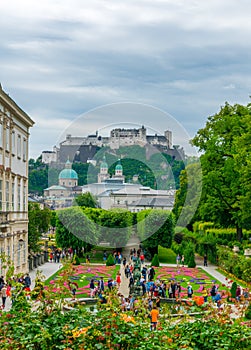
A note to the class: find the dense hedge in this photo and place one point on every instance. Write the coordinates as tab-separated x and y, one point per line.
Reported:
236	264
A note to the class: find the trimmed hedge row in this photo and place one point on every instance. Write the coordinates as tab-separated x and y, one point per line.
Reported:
236	264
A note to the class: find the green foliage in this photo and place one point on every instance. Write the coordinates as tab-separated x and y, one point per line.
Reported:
166	255
86	200
155	260
74	229
178	237
201	227
75	260
248	312
235	264
47	327
38	176
119	224
233	290
110	260
225	144
188	195
157	228
189	255
87	173
39	222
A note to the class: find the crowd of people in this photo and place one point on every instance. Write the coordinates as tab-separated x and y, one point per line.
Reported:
154	289
9	288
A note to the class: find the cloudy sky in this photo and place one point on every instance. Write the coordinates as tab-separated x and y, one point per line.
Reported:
183	59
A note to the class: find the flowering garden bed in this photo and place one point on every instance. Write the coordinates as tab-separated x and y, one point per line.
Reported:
82	275
195	276
48	327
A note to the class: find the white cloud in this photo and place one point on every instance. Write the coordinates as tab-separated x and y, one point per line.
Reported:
62	58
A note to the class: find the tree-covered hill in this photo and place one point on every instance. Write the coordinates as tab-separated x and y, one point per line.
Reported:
156	171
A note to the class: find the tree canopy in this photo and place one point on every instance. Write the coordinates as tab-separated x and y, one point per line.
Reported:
225	143
74	229
39	222
156	227
86	200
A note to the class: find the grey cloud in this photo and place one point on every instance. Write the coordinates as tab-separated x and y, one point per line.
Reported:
185	58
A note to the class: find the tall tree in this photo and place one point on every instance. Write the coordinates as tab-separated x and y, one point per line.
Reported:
86	200
187	197
158	229
224	164
115	226
74	229
39	222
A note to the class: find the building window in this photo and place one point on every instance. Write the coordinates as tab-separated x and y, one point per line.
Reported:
7	139
7	195
13	194
24	198
24	150
1	135
19	197
19	146
1	194
13	146
8	249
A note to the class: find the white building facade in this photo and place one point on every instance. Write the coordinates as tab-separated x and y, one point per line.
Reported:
14	142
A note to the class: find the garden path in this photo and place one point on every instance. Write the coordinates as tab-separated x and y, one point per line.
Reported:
131	244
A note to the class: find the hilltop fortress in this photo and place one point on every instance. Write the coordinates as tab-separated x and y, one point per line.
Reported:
83	149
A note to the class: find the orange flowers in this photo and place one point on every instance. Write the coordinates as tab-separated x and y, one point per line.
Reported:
198	300
127	318
78	332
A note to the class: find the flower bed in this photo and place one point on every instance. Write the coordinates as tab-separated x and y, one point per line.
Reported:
82	276
195	276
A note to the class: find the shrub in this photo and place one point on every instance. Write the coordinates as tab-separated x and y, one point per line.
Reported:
166	255
233	290
155	261
248	312
110	260
189	255
76	260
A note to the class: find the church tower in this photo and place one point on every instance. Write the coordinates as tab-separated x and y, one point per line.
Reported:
119	172
103	173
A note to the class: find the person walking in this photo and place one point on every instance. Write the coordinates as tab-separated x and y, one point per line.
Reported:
204	293
189	291
101	284
92	288
4	295
27	281
118	279
154	314
178	260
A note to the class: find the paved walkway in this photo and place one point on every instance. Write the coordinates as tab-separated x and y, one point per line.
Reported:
47	270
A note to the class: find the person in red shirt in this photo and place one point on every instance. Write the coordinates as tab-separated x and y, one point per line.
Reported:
142	258
118	279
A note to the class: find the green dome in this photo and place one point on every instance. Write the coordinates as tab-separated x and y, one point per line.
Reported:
118	166
68	174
